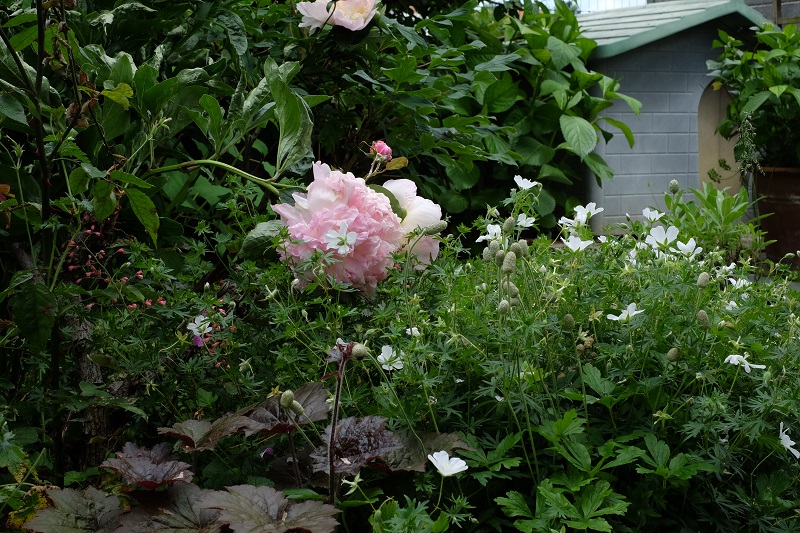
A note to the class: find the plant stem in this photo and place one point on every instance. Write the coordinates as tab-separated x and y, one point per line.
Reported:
334	420
270	186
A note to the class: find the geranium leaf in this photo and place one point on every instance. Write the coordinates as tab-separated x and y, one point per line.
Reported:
149	468
358	441
246	509
77	512
177	510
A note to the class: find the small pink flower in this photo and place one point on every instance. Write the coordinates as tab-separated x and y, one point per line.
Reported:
161	301
148	302
132	306
139	275
382	149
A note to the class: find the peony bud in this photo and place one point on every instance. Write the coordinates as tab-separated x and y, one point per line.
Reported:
702	319
702	280
380	148
674	187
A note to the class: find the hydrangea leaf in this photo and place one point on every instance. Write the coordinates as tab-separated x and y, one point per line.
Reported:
246	508
149	468
76	512
358	442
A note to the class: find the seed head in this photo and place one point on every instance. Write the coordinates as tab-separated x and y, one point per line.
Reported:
499	257
508	226
509	263
674	187
702	280
702	319
568	322
286	399
435	228
503	307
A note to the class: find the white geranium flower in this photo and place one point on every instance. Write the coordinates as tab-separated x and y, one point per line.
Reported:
341	241
575	243
583	214
660	237
652	215
200	326
788	442
446	465
739	283
525	184
626	314
525	221
731	306
413	332
741	360
493	233
602	238
688	249
389	359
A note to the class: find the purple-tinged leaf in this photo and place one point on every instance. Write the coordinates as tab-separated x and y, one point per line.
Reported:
249	509
77	512
149	468
176	510
200	435
413	452
358	442
271	418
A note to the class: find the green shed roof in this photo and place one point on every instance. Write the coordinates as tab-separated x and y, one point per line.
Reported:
620	30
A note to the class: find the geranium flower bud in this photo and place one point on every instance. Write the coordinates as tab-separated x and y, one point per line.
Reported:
380	148
359	351
286	399
702	280
674	187
499	258
672	355
435	229
510	288
516	248
503	307
297	408
510	263
568	322
702	319
523	245
508	226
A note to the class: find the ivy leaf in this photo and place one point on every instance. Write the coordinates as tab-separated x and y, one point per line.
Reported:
35	310
145	211
358	441
245	509
176	510
76	512
271	418
149	468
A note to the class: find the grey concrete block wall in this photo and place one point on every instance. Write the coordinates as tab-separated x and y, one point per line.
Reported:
668	77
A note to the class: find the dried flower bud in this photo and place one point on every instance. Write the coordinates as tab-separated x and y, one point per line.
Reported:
286	399
568	322
510	263
503	307
702	280
499	257
702	319
508	226
672	355
674	187
435	228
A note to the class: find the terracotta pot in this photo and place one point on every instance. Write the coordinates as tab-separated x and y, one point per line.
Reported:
779	193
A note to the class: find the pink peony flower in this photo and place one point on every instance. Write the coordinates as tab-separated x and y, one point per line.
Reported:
351	14
339	203
420	213
382	149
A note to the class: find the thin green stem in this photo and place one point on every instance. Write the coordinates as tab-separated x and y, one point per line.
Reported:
270	186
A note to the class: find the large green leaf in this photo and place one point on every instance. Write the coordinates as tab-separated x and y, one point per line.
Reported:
35	309
145	211
78	512
104	200
561	53
579	134
11	108
294	119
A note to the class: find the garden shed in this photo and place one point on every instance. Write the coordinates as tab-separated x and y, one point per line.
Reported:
659	53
